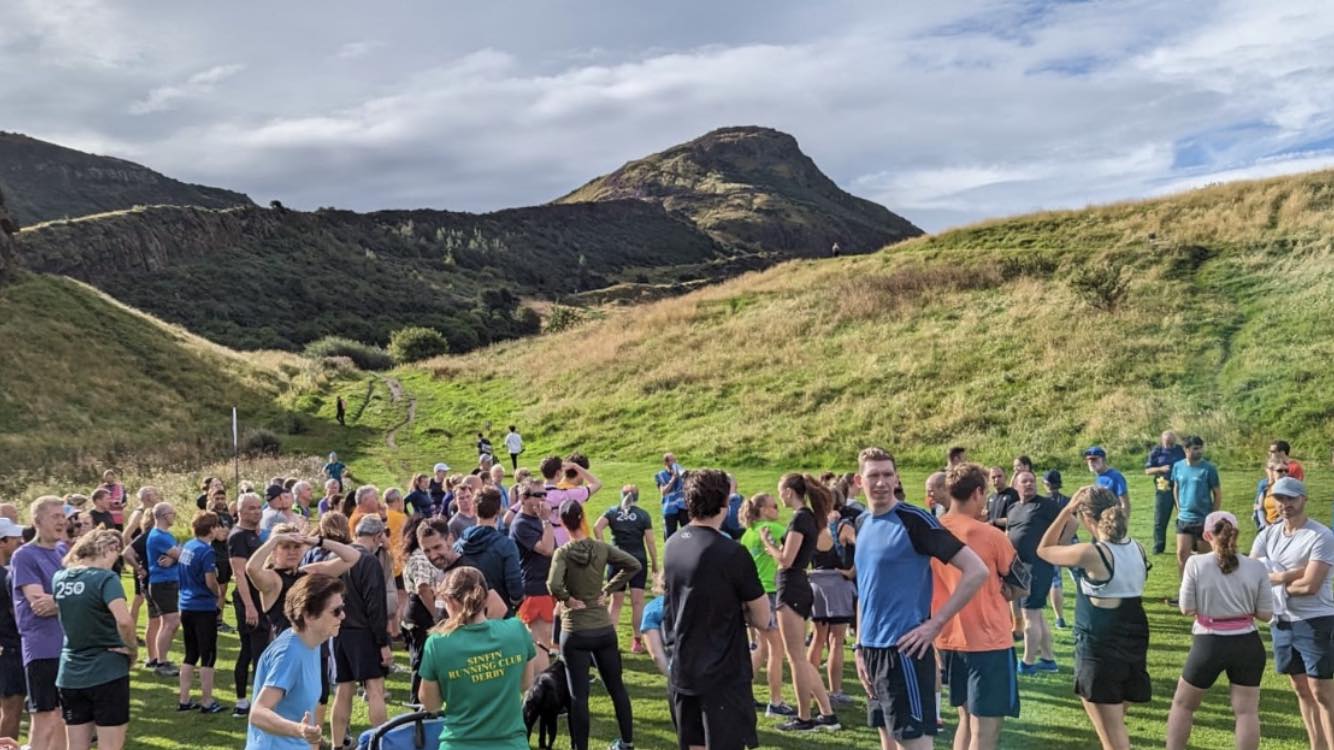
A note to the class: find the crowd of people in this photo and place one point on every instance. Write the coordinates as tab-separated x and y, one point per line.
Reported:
484	584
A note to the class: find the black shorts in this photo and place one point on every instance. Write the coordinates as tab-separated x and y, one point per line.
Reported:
1194	529
356	657
201	638
398	583
1241	656
638	581
1040	587
106	705
1304	647
985	683
12	681
43	695
905	692
723	719
1111	675
794	592
164	599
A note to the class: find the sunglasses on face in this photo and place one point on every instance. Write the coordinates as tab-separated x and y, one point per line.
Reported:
338	611
534	494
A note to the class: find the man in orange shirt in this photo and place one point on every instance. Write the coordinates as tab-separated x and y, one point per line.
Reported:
976	646
1279	450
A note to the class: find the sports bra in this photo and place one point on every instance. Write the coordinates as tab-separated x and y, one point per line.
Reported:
1128	568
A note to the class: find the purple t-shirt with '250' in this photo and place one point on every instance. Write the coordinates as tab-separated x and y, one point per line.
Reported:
32	564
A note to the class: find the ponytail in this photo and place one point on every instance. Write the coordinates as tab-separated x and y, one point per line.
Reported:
1225	545
466	586
749	513
812	492
1103	510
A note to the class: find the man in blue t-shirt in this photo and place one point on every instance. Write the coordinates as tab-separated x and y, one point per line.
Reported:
671	485
1159	466
1198	493
895	660
1107	477
164	587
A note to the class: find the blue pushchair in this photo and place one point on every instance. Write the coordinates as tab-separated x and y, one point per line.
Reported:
415	731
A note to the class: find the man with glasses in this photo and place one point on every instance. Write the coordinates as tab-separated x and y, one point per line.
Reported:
1159	466
535	536
361	648
1107	477
1266	508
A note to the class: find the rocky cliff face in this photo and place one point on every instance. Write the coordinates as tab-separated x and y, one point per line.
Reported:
753	188
47	182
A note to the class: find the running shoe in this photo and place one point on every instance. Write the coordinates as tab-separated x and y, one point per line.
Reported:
637	647
621	744
1047	665
779	709
166	669
1060	623
1028	669
212	708
840	699
242	708
797	724
150	664
225	628
191	706
827	723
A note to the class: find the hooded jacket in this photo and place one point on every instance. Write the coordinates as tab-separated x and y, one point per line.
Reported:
577	573
497	557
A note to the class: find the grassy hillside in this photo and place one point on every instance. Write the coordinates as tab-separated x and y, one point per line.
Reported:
90	383
975	337
47	181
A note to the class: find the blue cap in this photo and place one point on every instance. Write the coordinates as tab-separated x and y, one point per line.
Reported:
1052	478
1289	487
1095	451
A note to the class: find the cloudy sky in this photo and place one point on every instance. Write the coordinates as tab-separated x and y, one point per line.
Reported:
945	111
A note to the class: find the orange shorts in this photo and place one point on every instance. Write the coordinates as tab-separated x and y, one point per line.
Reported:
536	608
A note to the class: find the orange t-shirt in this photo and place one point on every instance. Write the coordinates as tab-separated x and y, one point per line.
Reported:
984	623
1295	469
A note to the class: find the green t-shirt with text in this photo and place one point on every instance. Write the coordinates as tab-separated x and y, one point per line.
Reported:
479	669
82	595
765	564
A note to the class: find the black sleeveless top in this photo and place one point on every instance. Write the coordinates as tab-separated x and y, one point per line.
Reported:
277	618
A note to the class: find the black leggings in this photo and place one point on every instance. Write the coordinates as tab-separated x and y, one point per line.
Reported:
253	642
416	640
201	638
578	649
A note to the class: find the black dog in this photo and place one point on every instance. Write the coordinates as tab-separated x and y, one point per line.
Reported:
547	699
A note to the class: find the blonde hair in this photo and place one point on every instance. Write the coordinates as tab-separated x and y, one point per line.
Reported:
466	586
751	507
43	503
91	546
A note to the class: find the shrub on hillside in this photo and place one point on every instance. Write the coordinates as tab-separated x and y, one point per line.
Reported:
365	356
1101	287
261	442
563	317
415	343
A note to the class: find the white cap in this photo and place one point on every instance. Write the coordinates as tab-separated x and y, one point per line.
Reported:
442	467
9	529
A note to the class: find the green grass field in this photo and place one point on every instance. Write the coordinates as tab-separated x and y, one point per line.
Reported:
1051	714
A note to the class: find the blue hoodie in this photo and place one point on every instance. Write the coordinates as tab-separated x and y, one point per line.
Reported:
497	557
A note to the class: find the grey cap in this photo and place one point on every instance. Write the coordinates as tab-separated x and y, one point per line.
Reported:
9	529
1289	487
370	525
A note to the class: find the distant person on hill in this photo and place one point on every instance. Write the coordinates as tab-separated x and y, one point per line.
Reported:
1197	493
1159	466
1226	593
514	444
1280	450
896	663
1001	499
340	408
1299	553
632	532
335	469
30	572
12	687
671	483
1111	631
99	645
484	448
1107	477
976	649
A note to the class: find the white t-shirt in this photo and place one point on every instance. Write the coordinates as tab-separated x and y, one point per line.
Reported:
1212	593
514	443
1280	551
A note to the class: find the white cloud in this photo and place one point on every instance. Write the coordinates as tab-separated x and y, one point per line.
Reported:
353	50
198	85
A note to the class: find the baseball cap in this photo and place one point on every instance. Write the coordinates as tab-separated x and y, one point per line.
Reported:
1211	520
1095	451
442	466
1289	487
1053	478
9	529
273	492
370	525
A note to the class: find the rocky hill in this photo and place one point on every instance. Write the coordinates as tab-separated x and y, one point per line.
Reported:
753	188
46	181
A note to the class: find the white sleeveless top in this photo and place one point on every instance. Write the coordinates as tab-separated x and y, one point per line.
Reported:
1128	572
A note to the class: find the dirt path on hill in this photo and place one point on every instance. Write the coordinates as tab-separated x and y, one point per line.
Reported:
397	394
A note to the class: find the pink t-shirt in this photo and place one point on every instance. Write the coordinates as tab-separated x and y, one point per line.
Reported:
557	497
